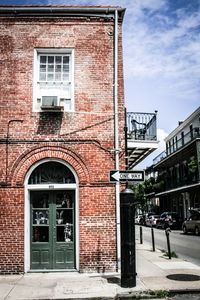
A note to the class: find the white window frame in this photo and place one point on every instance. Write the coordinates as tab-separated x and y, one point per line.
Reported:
37	101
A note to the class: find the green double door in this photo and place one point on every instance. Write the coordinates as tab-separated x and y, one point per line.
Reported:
52	230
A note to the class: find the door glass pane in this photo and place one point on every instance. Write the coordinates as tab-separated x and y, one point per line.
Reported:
40	200
65	233
64	217
40	217
40	234
63	200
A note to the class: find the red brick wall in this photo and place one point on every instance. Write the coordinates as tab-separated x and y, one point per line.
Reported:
11	230
84	138
97	225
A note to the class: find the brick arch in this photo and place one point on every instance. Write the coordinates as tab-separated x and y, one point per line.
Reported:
28	159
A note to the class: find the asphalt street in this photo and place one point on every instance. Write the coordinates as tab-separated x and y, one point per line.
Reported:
185	246
183	297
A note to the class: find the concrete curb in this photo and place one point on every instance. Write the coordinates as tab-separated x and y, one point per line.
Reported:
153	294
137	295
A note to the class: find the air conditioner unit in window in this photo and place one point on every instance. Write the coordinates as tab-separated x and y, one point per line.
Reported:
50	103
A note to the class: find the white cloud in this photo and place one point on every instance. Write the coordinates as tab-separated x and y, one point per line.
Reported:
161	50
163	45
161	135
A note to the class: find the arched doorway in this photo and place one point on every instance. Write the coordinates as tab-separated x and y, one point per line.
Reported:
51	187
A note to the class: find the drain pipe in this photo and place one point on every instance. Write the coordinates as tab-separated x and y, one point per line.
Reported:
116	133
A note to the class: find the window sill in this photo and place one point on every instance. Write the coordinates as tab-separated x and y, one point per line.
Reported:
52	108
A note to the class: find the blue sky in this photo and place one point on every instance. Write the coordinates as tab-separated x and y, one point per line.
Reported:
161	45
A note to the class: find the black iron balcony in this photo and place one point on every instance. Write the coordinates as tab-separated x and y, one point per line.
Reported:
142	126
178	144
159	157
141	136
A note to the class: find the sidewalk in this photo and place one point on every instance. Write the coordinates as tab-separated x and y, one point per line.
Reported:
152	269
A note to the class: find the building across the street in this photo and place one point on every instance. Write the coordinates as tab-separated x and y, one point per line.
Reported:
61	128
178	168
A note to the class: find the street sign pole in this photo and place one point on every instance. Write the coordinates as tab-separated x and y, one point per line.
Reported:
127	218
127	222
126	143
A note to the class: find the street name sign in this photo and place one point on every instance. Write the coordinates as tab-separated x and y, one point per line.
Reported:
116	176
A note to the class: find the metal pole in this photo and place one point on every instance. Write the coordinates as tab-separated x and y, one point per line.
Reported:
128	257
126	139
141	236
116	134
153	240
167	231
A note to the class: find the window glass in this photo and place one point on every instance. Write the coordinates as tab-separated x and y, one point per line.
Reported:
43	59
58	68
53	80
58	76
40	234
54	68
50	68
50	77
42	76
50	59
65	68
42	68
50	172
58	59
65	59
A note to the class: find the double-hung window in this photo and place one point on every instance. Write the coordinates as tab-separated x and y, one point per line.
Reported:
53	86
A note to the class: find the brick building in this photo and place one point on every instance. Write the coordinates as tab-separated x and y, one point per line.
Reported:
61	128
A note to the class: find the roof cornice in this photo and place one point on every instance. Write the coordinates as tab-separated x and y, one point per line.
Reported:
62	11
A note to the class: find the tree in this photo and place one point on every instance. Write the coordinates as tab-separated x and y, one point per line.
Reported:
139	191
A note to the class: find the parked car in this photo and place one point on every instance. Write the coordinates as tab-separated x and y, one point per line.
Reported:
192	224
152	220
169	219
145	217
141	221
138	219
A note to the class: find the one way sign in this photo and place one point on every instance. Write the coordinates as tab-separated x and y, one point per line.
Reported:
116	176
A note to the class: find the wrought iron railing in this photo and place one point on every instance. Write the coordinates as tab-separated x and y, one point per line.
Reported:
177	144
142	126
179	182
159	157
